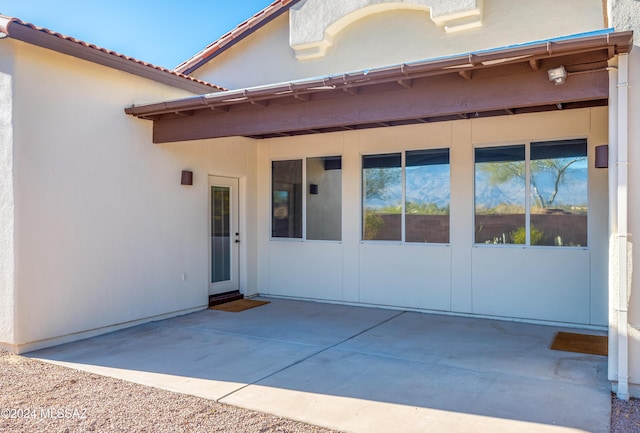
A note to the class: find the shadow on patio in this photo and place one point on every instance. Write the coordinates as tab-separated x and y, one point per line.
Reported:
361	369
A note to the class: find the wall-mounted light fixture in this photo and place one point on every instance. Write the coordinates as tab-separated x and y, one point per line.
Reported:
557	75
187	178
602	156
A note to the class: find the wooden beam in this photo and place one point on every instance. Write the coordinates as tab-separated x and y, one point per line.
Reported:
444	95
351	90
466	74
221	108
302	96
184	113
259	102
405	83
535	64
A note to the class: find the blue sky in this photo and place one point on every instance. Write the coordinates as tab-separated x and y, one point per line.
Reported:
162	32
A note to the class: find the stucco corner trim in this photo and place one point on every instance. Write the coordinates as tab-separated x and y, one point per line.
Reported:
314	23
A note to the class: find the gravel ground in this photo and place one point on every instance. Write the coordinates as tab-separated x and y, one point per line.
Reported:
39	397
625	416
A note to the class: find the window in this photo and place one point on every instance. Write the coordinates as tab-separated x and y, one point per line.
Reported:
559	196
382	195
286	185
410	205
533	194
427	192
500	194
322	204
324	198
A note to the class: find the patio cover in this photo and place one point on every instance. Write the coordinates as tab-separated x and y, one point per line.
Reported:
503	81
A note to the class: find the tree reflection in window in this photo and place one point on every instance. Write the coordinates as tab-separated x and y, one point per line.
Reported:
500	194
557	188
382	197
558	191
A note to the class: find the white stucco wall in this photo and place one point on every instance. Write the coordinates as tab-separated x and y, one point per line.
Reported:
396	36
104	230
625	15
234	157
315	23
7	247
540	283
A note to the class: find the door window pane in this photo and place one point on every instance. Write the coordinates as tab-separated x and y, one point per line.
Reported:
286	221
220	236
382	197
427	195
500	183
558	191
324	198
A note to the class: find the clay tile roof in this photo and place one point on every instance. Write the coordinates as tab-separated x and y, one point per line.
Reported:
234	36
40	36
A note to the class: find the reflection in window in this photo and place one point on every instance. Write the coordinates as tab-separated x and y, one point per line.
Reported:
286	187
427	192
559	193
382	197
220	236
500	195
324	198
557	188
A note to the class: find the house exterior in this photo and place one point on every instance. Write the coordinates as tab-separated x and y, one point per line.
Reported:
426	155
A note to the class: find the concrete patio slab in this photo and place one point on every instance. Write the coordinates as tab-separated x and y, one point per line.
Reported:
292	321
518	349
188	360
382	388
361	369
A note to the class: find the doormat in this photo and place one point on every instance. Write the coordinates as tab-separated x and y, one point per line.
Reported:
239	305
581	343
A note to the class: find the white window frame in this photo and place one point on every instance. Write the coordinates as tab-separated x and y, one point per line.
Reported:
304	199
403	166
527	203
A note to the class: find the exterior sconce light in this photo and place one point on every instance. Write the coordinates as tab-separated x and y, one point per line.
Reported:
187	178
602	156
557	75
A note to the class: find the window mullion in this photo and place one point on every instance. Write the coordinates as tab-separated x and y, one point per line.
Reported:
403	163
527	201
305	187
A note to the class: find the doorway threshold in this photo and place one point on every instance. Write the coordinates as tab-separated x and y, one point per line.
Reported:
223	298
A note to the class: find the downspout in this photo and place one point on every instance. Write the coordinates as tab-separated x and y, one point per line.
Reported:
613	221
622	235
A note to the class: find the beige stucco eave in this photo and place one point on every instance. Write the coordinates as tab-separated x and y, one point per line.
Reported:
481	83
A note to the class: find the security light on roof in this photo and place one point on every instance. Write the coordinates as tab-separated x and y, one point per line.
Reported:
557	75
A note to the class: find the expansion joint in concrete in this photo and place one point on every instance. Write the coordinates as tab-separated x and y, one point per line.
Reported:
324	349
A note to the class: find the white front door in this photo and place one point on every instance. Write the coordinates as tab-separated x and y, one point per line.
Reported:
224	272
